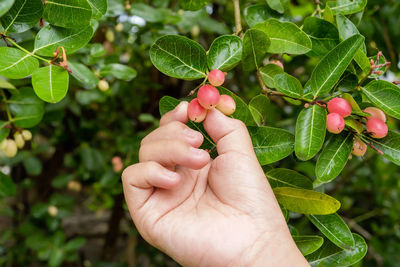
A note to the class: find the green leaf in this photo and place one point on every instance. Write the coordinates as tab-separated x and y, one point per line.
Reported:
271	144
259	13
22	16
83	74
225	53
49	38
346	257
147	12
306	201
27	109
5	5
32	165
75	244
99	8
389	145
354	124
278	5
50	83
288	85
347	7
334	228
6	85
323	34
56	257
68	13
259	107
179	57
255	46
268	73
352	102
334	156
16	64
310	132
307	244
118	71
4	132
329	70
193	4
285	37
280	177
7	186
385	95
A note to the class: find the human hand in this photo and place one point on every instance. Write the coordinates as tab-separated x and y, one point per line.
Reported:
202	211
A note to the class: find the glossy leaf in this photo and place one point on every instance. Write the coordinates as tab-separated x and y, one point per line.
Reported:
6	85
49	38
5	5
99	8
307	244
352	102
288	85
285	37
306	201
310	132
334	156
389	145
16	64
22	16
147	12
354	124
118	71
255	46
347	7
68	13
50	83
271	144
329	70
259	13
278	5
4	131
193	4
83	74
27	109
225	53
280	177
346	257
259	107
385	95
179	57
7	186
323	34
334	228
268	73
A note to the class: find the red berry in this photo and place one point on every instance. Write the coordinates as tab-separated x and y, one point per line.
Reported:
377	128
208	96
226	105
359	147
340	106
375	113
196	112
334	123
216	77
277	62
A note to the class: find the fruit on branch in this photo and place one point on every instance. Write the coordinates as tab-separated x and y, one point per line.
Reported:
226	105
359	147
110	36
27	135
117	164
19	140
196	112
52	210
208	96
74	186
377	128
277	62
216	77
9	148
334	123
375	113
103	85
340	106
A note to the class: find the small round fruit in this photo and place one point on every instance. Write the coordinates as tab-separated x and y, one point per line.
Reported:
377	128
119	27
340	106
19	140
277	62
52	210
334	123
359	147
27	135
11	149
110	36
375	113
117	164
3	145
216	77
226	105
74	186
196	112
208	96
103	85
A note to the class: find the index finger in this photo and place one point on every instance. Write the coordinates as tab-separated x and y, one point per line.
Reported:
179	113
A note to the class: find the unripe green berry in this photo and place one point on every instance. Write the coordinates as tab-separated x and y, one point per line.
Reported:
19	140
103	85
27	135
11	148
52	210
119	27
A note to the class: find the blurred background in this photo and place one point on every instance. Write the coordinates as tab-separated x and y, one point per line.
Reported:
67	206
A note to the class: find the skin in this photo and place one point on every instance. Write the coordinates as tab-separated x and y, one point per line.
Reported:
203	211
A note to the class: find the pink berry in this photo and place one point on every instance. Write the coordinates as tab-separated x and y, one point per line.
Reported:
196	112
216	77
340	106
208	96
277	62
226	105
334	123
375	113
377	128
359	147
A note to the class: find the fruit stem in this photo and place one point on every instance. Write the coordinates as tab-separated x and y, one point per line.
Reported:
10	119
238	22
26	51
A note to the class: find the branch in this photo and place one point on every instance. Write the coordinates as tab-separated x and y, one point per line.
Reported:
238	22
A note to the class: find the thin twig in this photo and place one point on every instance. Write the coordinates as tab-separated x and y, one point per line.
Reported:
238	22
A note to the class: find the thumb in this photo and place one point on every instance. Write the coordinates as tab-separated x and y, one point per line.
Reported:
229	134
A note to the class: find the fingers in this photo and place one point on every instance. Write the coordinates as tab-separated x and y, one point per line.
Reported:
170	153
229	134
179	113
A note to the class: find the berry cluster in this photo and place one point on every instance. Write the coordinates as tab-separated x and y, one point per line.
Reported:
10	146
208	97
